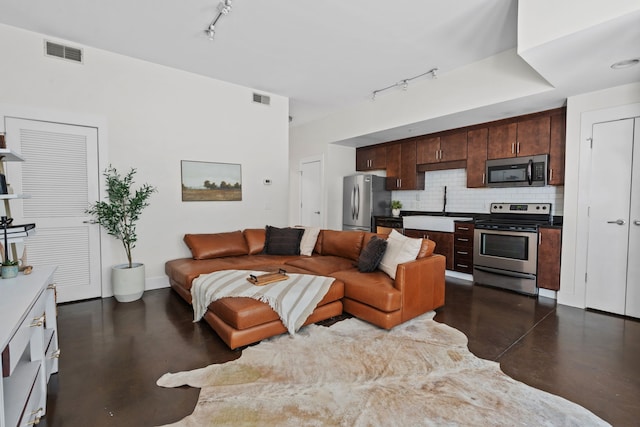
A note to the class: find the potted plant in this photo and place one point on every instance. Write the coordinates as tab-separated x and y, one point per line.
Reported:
119	215
396	205
9	268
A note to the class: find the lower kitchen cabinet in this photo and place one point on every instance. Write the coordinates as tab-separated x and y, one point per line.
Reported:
443	240
463	247
549	245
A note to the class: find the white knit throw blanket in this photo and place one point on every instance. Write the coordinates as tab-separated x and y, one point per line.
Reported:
293	299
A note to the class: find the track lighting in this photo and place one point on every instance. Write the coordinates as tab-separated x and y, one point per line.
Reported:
224	7
404	83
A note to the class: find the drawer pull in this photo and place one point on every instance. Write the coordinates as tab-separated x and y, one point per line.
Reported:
462	265
462	253
51	286
463	228
460	239
36	420
38	321
56	354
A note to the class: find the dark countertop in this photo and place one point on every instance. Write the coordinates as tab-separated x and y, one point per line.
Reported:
557	220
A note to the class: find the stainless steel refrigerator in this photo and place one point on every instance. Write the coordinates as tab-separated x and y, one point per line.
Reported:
364	196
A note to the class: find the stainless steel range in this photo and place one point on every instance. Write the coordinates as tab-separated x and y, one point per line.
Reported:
505	252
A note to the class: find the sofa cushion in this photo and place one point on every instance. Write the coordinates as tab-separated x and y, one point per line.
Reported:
207	246
309	239
282	241
426	250
371	255
255	239
322	265
345	244
374	289
400	249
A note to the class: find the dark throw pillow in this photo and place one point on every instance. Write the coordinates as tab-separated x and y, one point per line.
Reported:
371	255
282	241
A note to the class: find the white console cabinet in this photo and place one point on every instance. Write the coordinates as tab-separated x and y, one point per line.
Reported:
29	344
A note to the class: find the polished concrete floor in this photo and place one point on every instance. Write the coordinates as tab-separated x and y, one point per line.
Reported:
113	353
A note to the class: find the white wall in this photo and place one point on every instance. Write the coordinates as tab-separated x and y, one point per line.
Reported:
154	117
541	21
575	228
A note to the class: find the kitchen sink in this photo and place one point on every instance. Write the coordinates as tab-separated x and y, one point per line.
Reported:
433	223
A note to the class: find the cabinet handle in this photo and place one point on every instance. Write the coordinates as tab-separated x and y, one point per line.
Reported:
482	177
462	265
56	354
463	228
52	286
460	239
37	321
539	239
550	174
462	253
636	222
517	147
513	148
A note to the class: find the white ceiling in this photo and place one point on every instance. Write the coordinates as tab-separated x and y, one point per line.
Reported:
322	55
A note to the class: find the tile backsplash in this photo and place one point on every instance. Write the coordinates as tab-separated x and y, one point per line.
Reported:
473	200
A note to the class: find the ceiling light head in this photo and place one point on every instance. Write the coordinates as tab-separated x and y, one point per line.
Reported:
405	85
434	73
625	63
210	32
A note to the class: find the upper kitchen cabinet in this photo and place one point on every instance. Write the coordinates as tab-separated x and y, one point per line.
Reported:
557	149
402	173
477	157
527	137
446	148
371	158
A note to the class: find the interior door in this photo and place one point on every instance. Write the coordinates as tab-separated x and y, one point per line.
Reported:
609	204
311	193
60	173
633	270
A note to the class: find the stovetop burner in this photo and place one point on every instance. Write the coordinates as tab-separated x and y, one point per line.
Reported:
517	216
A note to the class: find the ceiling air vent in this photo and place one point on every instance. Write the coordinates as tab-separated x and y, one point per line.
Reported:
63	52
261	99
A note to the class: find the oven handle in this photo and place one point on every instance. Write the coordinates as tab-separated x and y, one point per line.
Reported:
505	272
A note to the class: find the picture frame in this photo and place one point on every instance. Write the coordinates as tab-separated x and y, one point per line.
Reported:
210	181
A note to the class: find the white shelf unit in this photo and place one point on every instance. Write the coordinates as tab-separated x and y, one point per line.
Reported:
8	155
29	345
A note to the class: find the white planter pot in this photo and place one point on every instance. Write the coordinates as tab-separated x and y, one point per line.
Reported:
395	212
128	283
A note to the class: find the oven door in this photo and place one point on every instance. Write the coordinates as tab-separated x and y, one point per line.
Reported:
506	250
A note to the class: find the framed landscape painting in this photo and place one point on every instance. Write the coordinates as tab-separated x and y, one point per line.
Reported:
207	181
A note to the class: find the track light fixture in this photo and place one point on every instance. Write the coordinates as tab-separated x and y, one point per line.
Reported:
404	83
224	7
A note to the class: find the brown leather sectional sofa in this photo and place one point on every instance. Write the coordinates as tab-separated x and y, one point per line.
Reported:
374	297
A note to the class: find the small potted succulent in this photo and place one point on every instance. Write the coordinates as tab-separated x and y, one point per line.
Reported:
396	205
9	268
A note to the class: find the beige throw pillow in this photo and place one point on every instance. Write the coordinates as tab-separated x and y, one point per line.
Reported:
309	239
400	249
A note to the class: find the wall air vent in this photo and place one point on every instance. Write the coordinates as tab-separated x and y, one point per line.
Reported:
63	52
261	99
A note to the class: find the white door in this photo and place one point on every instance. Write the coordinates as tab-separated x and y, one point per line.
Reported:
311	193
609	205
60	174
633	270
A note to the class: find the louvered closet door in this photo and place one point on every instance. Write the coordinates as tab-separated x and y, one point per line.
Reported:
60	173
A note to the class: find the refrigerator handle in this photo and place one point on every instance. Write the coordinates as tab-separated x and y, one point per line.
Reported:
357	202
353	203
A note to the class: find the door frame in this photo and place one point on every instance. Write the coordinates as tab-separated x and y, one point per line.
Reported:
75	119
575	293
311	159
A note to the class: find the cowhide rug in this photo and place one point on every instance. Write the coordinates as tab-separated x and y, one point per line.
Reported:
355	374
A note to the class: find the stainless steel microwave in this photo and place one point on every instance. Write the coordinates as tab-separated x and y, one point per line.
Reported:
527	171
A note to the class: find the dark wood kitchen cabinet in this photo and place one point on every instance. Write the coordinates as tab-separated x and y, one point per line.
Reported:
444	148
371	158
443	240
463	247
402	173
528	137
557	149
476	157
549	245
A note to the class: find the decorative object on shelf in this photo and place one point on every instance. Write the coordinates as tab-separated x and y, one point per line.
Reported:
9	267
118	216
396	205
207	181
